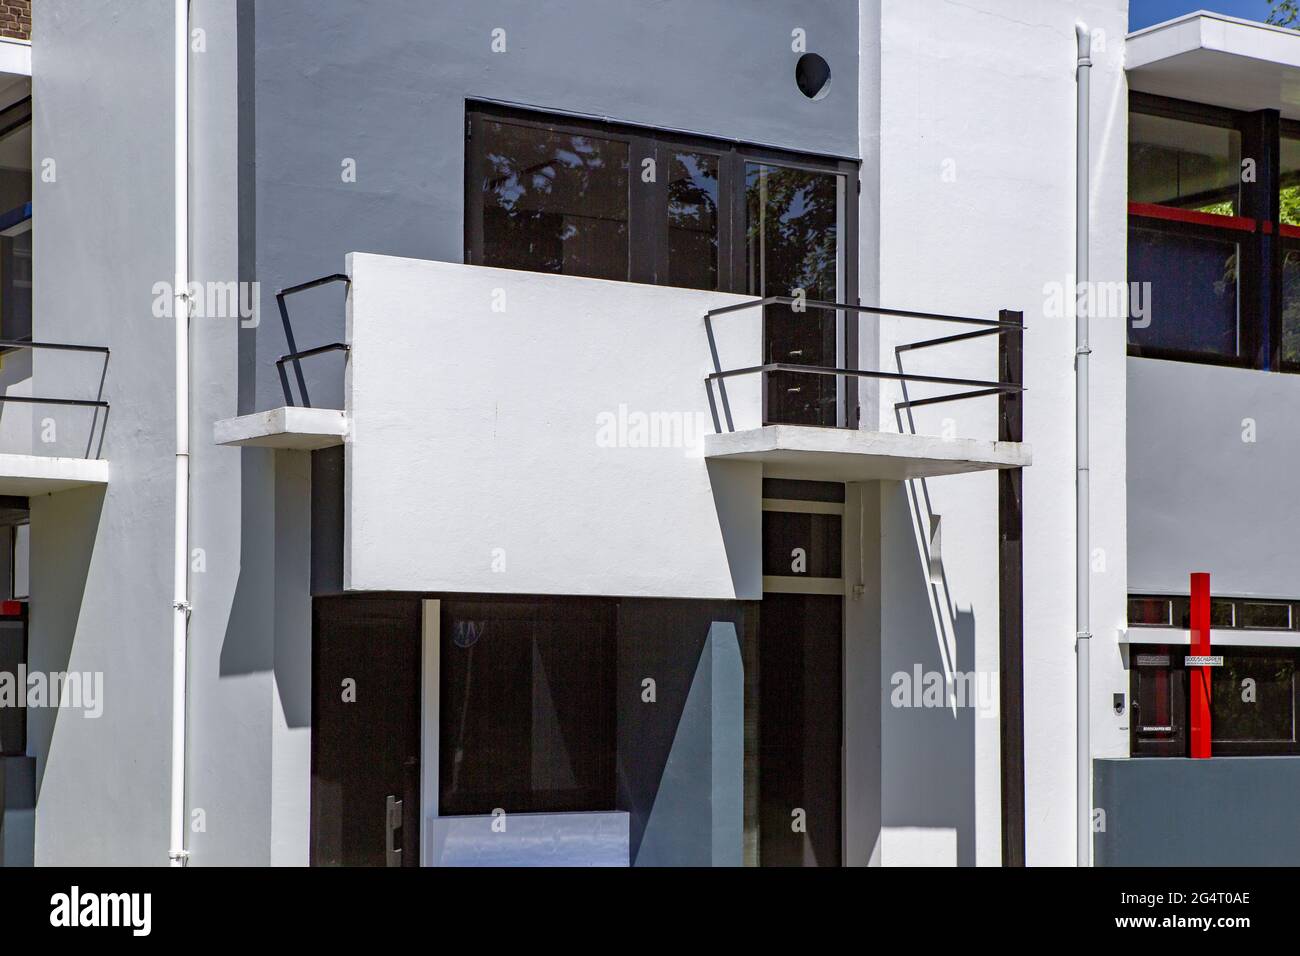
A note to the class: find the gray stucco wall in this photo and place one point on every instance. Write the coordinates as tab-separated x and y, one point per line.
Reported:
1213	456
101	561
388	89
1225	811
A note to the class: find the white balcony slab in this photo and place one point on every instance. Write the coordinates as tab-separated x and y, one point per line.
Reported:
290	427
841	454
29	475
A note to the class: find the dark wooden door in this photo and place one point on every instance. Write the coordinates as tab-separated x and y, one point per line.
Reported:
365	732
800	731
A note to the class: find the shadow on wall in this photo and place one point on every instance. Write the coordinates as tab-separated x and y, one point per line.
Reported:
737	498
669	751
274	572
248	646
64	528
931	696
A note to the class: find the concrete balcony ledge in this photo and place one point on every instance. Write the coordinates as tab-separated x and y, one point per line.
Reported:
27	475
843	454
289	427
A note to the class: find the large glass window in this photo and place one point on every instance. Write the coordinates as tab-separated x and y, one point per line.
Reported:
1290	345
693	220
527	706
792	249
1252	698
1186	234
1193	300
16	221
1184	164
1289	219
553	202
13	714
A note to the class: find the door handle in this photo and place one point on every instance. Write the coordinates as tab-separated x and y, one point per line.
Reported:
392	823
796	353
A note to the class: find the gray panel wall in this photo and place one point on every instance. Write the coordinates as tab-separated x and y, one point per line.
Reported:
1201	495
1225	811
385	84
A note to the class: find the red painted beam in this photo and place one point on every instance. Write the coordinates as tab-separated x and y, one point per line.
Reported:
1174	214
1198	709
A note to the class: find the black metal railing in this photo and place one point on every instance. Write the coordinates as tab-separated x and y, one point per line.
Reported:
1007	327
96	403
294	355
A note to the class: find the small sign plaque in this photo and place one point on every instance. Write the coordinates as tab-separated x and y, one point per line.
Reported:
1152	660
1203	660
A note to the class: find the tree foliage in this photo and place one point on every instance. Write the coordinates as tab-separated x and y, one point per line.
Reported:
1285	13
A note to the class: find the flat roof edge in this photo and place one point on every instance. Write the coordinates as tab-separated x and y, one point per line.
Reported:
1211	15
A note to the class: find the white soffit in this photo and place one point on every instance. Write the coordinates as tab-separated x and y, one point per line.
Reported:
301	429
1219	637
1223	61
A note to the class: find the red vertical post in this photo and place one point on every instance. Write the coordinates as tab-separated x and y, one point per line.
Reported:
1199	677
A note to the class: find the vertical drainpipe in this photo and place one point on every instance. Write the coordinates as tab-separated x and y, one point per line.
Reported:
177	853
1083	635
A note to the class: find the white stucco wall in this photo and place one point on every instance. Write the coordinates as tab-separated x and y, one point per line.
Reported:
476	460
975	214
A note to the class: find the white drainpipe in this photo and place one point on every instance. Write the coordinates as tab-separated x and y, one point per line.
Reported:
177	854
1083	635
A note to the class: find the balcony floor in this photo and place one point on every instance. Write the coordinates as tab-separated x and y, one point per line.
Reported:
27	475
289	427
841	454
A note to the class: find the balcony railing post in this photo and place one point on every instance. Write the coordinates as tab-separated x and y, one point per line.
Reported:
293	354
1011	680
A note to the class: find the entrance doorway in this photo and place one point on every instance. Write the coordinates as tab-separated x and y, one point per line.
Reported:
799	698
800	730
365	761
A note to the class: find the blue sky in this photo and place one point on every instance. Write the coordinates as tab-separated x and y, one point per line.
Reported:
1143	13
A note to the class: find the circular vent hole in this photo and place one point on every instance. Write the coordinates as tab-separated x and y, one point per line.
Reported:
813	75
